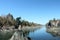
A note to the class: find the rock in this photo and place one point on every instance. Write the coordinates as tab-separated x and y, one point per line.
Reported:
54	31
18	35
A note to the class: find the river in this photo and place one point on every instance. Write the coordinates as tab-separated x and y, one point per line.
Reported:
41	34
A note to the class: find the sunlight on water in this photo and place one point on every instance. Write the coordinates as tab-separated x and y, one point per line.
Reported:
41	34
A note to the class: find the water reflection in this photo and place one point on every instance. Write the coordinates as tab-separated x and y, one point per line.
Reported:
5	35
41	34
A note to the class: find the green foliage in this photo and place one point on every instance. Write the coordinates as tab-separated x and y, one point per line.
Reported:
11	21
18	22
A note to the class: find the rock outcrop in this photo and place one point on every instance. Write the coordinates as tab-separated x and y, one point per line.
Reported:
18	35
53	23
53	26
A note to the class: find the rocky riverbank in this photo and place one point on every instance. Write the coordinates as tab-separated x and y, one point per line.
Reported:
16	34
54	30
53	26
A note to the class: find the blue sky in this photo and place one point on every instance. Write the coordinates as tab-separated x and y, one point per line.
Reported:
38	11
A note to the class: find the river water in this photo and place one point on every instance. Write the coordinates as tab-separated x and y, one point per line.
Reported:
41	34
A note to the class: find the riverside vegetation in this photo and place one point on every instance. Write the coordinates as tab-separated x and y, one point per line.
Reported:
11	27
9	21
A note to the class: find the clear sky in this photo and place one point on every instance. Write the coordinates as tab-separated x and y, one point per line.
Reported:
38	11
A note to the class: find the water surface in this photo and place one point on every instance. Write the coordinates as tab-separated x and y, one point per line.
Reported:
41	34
